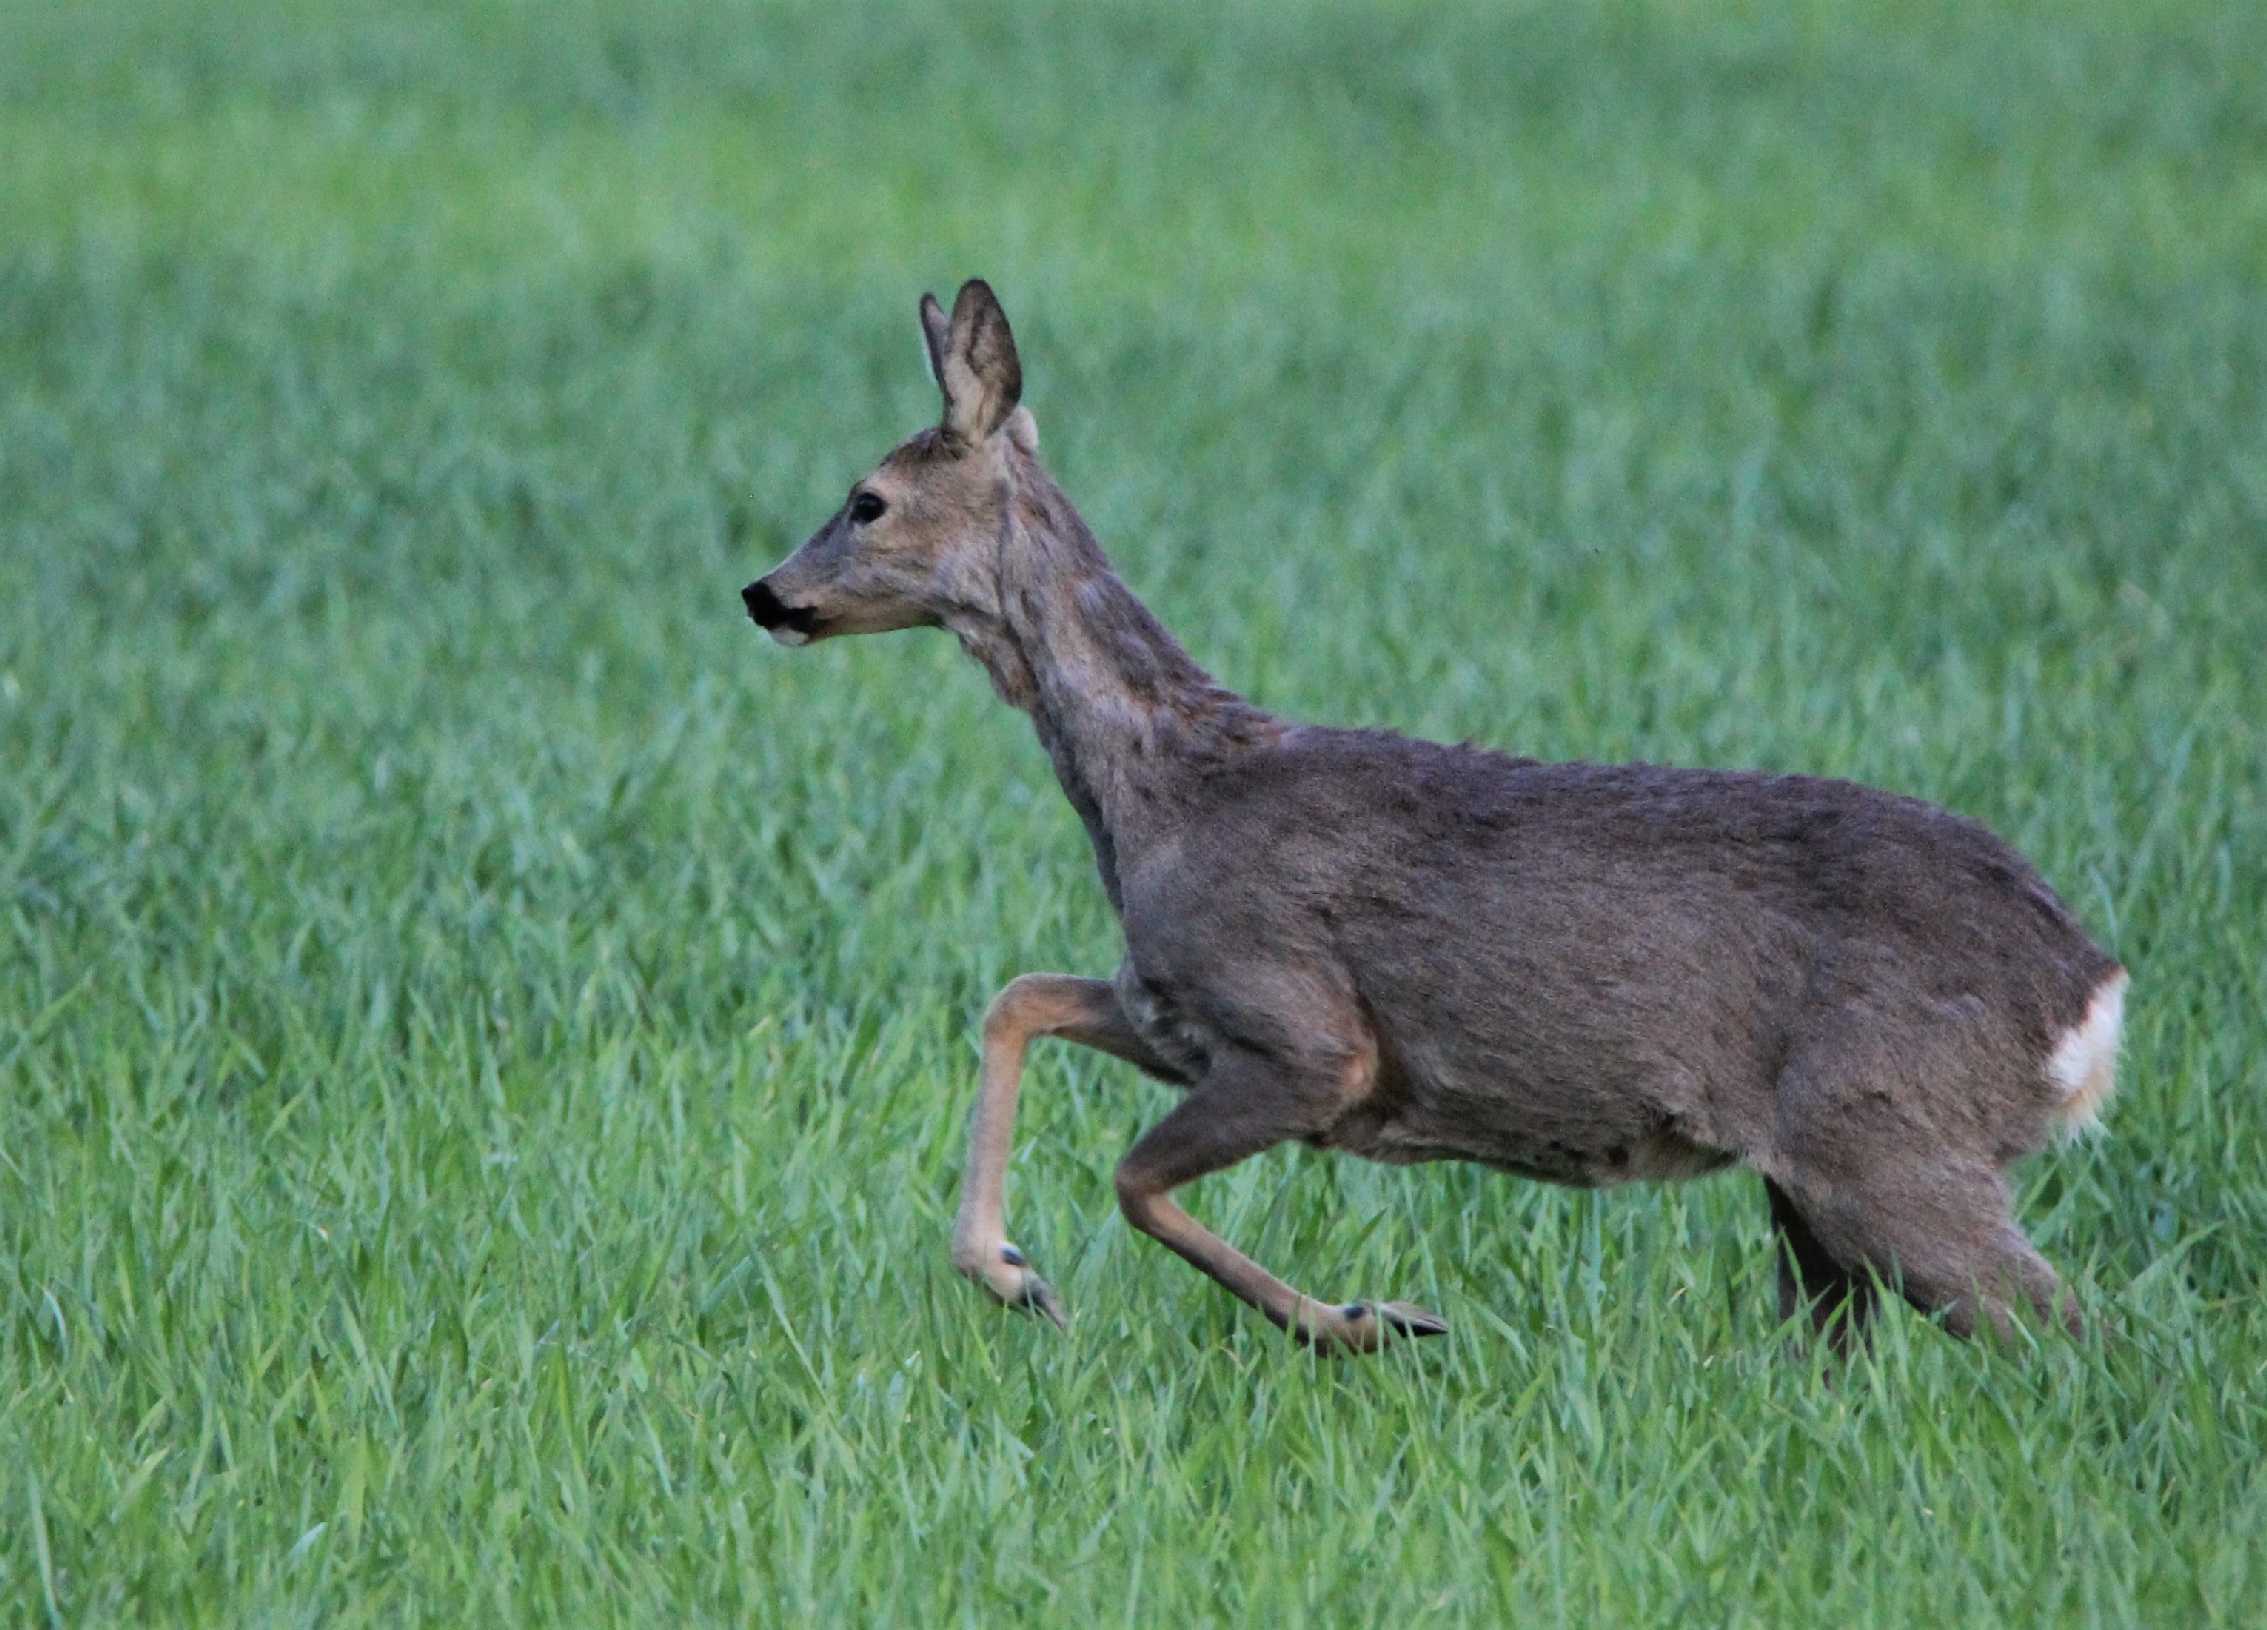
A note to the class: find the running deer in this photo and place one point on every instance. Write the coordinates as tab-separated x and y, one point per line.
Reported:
1588	974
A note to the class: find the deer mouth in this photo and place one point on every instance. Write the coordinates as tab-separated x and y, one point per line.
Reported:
790	625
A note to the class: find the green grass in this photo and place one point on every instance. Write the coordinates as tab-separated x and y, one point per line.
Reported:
484	1040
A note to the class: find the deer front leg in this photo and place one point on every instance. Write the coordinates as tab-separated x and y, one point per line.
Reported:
1036	1004
1238	1111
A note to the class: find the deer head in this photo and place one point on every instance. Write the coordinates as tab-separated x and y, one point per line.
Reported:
916	543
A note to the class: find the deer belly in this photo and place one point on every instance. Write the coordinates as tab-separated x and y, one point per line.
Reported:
1617	1143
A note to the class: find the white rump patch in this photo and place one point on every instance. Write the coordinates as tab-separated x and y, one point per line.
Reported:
2083	1066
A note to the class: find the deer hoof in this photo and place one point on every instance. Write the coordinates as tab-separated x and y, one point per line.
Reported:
1407	1319
1038	1297
1364	1327
1012	1281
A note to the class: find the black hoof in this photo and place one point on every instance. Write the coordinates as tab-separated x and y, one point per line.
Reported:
1412	1321
1039	1299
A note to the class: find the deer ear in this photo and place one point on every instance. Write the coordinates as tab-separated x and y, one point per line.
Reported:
977	364
936	331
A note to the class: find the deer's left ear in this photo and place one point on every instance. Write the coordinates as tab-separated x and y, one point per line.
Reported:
976	364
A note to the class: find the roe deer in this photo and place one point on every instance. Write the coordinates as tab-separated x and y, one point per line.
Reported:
1581	973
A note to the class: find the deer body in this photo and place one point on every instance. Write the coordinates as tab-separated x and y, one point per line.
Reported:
1407	951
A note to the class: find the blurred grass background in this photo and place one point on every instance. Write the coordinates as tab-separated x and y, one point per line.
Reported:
483	1040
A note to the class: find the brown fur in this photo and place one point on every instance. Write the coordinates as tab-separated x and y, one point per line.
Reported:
1588	974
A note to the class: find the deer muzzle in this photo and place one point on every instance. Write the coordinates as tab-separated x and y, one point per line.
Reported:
790	625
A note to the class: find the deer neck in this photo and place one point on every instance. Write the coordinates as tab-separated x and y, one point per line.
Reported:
1128	719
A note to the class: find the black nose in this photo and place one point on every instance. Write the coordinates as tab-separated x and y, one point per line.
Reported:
770	611
763	605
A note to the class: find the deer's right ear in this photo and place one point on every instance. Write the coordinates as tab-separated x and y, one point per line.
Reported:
936	332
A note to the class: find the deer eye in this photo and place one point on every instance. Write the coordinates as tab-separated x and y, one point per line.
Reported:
867	506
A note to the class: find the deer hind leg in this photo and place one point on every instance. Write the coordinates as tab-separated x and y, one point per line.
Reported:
1869	1150
1036	1004
1839	1304
1944	1236
1240	1109
1882	1147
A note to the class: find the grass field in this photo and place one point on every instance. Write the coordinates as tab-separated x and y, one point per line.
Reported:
484	1038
